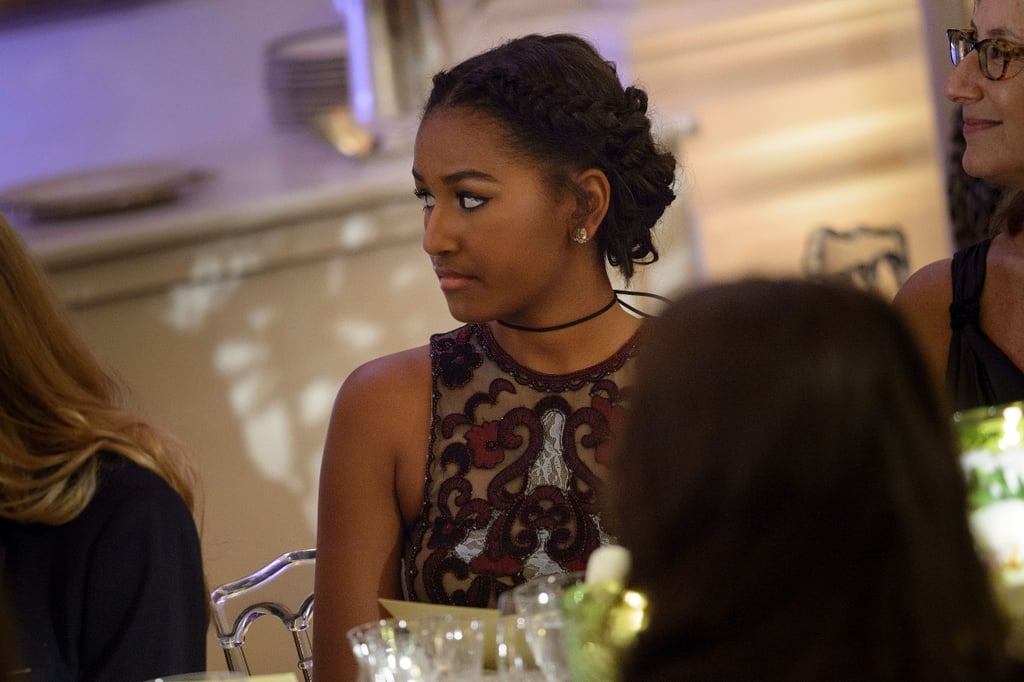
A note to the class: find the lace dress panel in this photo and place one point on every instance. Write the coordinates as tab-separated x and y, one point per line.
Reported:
515	469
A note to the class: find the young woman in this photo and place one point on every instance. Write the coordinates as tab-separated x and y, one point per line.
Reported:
788	485
459	469
965	310
98	547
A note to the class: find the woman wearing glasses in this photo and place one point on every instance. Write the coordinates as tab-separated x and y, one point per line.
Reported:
965	310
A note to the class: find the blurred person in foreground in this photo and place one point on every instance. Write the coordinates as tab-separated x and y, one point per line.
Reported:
789	487
98	547
967	311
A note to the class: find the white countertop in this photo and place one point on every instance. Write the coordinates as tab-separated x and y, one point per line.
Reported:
286	200
286	179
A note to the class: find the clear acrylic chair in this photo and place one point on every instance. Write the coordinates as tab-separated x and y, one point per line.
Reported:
873	258
288	579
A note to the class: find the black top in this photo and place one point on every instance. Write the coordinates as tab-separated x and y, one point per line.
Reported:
977	371
116	594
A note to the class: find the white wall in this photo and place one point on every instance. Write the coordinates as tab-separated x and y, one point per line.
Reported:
809	113
938	16
162	80
152	82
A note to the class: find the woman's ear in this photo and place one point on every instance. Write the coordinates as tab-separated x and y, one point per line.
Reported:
593	200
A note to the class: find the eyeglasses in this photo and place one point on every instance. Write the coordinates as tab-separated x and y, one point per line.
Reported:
998	59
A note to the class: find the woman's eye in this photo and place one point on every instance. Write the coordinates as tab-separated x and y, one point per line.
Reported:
426	197
471	201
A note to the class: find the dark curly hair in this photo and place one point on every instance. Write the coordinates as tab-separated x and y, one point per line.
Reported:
562	104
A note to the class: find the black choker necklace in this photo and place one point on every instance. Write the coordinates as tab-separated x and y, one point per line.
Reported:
556	327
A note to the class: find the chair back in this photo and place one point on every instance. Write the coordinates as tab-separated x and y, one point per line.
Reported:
283	589
873	258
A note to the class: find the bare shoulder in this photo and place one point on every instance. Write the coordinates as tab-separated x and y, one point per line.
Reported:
379	429
929	288
379	398
924	303
402	371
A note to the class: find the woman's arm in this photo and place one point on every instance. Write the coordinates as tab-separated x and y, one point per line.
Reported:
372	471
924	302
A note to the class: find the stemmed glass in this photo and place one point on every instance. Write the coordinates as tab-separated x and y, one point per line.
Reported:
388	651
428	649
561	627
531	641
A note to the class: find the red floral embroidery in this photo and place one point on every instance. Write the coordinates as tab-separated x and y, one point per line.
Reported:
500	566
483	441
446	533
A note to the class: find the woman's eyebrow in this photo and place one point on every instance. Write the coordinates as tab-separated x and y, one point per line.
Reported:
999	32
452	178
468	174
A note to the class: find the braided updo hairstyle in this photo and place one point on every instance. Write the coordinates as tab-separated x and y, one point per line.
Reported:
562	104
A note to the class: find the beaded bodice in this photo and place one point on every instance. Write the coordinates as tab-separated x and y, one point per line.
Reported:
515	468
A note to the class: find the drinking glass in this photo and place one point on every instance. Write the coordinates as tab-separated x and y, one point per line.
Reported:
532	612
513	659
388	650
428	649
992	457
454	645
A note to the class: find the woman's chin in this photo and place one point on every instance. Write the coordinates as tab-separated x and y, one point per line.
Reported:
467	316
973	168
999	174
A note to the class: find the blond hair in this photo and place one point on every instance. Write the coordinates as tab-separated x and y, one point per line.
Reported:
61	413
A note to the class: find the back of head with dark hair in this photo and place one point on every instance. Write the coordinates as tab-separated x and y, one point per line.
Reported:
795	506
562	104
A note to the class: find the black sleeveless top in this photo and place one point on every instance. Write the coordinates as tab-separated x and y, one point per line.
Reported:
116	594
977	371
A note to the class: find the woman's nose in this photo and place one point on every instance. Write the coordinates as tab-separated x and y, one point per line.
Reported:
437	238
962	84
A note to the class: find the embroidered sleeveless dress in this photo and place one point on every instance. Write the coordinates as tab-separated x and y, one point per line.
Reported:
977	371
515	469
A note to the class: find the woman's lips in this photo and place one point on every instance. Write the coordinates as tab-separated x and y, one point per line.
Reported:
974	125
450	279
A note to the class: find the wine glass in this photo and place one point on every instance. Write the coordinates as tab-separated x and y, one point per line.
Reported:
532	613
428	649
388	650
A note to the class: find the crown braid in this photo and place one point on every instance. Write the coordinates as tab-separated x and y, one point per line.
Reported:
561	103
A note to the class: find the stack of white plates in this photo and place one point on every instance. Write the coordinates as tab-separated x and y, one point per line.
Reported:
306	74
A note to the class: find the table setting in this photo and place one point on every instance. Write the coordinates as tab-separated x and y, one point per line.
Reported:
553	628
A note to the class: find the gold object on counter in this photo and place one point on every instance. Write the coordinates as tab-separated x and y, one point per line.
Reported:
340	129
